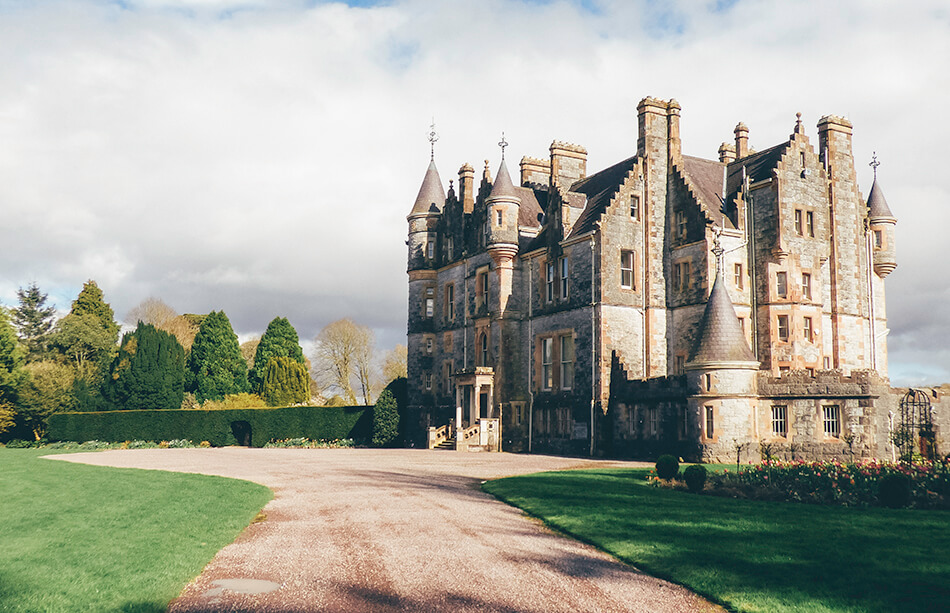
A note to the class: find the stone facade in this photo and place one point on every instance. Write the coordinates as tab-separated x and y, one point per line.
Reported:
586	298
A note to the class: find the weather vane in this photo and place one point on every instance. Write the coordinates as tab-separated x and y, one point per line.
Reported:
433	137
502	143
874	163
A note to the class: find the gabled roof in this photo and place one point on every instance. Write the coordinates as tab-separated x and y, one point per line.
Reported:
431	196
877	204
531	206
719	337
759	167
706	182
599	189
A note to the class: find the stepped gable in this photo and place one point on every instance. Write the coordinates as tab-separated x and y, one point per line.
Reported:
720	337
705	181
600	189
877	204
759	167
431	196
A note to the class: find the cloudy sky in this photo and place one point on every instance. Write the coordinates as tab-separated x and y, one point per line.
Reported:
261	157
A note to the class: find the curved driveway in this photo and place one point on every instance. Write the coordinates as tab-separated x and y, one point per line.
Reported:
397	530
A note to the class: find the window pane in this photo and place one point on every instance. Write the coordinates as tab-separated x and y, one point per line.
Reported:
567	362
781	284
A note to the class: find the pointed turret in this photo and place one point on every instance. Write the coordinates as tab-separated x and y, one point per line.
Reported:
882	228
877	204
502	208
431	196
720	342
503	188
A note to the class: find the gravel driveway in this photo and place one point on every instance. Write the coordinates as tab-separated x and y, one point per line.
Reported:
397	530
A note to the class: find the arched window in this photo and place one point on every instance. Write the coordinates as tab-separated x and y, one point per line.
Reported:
483	350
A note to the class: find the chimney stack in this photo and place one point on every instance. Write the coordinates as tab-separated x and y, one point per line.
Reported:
727	153
742	141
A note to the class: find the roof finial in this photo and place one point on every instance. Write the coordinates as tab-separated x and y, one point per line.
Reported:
798	124
874	163
433	137
502	143
717	249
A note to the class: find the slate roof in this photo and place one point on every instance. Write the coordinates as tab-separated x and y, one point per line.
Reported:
502	187
599	189
720	337
531	206
758	166
706	178
431	196
877	204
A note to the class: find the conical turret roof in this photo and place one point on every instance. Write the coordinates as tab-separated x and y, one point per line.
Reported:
877	204
503	187
431	196
720	337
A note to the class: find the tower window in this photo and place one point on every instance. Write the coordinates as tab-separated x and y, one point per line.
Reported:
798	222
738	275
780	420
806	286
810	224
627	269
783	328
878	239
499	217
564	278
710	422
807	329
430	302
781	284
430	249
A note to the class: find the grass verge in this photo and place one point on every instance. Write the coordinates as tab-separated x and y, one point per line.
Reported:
749	555
83	538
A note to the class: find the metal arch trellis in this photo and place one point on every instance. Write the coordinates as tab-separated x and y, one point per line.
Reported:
915	433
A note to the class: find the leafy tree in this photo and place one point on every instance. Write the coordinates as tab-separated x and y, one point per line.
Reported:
248	349
279	340
285	381
149	370
395	363
216	367
83	340
11	360
385	420
47	390
92	302
156	312
33	320
344	351
7	416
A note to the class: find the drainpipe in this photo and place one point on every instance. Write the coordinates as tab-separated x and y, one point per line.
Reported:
530	353
593	336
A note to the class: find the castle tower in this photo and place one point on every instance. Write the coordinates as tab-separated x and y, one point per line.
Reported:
721	377
882	246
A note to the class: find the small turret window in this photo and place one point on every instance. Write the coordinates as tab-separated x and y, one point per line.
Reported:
878	239
499	218
430	249
710	422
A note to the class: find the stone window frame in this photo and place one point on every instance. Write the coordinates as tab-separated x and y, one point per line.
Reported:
635	207
782	329
566	368
448	302
806	286
653	414
679	364
781	284
499	217
878	239
809	224
808	330
684	423
447	367
449	248
831	420
780	420
564	270
427	381
680	225
430	344
447	341
737	275
549	280
709	422
430	248
546	345
482	286
682	275
800	222
482	348
428	301
628	267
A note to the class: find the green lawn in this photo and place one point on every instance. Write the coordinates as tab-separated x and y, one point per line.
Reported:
750	555
84	538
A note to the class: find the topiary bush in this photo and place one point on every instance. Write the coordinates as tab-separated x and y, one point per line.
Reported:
894	490
385	420
695	477
667	467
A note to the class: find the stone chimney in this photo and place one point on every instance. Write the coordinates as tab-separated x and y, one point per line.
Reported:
727	153
742	141
534	170
568	164
466	187
673	119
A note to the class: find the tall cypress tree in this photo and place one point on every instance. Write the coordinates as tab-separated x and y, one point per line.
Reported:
215	365
149	370
284	381
33	320
92	302
279	340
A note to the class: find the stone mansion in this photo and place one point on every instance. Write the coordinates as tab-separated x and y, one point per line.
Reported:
667	303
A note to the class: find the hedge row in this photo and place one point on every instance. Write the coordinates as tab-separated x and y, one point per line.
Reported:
218	427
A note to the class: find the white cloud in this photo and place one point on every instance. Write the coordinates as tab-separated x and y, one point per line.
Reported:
260	158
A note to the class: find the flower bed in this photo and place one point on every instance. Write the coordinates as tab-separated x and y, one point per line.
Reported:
847	484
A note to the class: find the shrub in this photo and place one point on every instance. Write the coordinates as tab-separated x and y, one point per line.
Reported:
695	477
149	371
385	420
667	467
284	381
894	490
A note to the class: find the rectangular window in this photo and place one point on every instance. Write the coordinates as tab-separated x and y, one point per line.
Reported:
428	380
626	269
679	364
783	328
878	239
549	281
654	421
681	225
547	363
684	278
799	228
635	207
447	377
564	278
684	422
738	275
806	286
447	341
448	307
486	229
481	288
429	344
832	420
430	302
499	218
430	249
450	248
807	330
567	362
710	422
781	284
780	420
810	224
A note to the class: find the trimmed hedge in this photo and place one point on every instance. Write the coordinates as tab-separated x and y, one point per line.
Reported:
215	426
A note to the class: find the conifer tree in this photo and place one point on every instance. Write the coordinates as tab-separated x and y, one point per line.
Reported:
279	340
92	302
385	419
149	370
216	367
284	381
33	320
11	360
